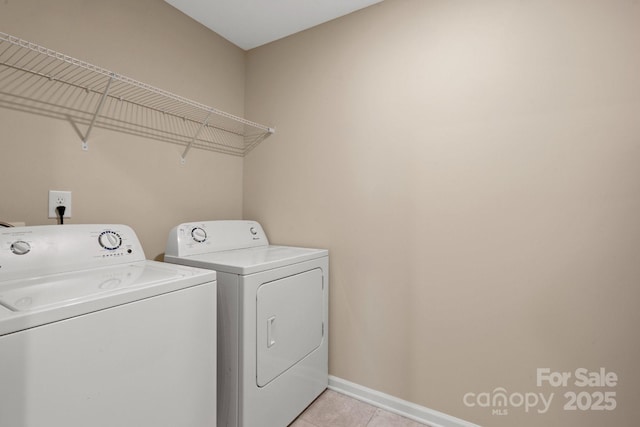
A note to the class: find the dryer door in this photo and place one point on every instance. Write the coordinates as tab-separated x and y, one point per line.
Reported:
289	323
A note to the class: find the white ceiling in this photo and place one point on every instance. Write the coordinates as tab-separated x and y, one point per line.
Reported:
252	23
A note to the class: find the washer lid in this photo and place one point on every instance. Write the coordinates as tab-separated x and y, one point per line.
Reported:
29	302
251	260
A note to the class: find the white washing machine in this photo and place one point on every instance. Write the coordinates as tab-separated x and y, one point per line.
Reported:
92	334
272	319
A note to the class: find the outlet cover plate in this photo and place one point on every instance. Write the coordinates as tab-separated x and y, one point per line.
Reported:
59	198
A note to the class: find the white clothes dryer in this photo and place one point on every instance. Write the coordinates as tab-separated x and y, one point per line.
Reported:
272	319
93	334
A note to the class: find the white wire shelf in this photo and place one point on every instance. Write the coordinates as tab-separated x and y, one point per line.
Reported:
38	80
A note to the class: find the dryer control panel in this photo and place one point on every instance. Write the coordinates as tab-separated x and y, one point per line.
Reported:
196	238
48	249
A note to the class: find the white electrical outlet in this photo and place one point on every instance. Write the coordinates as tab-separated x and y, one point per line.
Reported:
59	198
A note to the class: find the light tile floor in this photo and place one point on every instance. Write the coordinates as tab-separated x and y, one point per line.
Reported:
333	409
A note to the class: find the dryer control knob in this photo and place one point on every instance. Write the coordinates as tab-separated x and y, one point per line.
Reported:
253	231
110	240
20	247
198	234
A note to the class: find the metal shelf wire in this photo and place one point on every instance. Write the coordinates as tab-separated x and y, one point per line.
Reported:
38	80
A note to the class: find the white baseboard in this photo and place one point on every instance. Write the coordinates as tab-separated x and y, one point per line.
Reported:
401	407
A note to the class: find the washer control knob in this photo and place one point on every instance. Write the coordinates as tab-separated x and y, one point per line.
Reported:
198	234
20	247
110	240
253	231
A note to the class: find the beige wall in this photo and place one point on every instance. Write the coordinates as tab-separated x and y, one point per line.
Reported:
473	169
122	178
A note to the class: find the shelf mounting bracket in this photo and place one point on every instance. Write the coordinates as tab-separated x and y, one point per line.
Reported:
183	158
85	146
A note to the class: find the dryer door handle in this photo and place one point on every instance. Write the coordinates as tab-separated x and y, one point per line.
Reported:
270	332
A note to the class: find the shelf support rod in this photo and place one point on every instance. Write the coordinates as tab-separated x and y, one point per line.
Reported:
85	147
197	134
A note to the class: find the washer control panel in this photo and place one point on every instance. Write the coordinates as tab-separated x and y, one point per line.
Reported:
48	249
